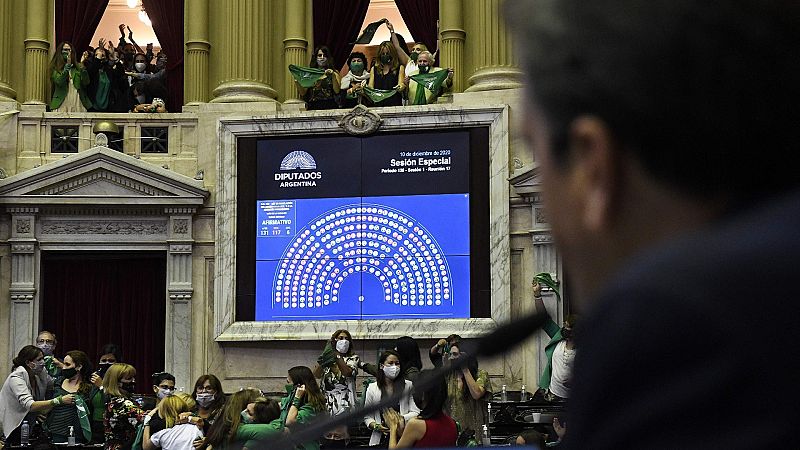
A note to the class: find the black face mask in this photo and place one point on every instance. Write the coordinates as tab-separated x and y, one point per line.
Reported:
566	333
386	59
69	373
128	387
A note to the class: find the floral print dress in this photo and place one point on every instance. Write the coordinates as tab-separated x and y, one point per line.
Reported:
121	418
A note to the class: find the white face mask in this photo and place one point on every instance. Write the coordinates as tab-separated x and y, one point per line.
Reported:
164	393
391	372
140	66
342	346
322	61
37	366
47	349
204	399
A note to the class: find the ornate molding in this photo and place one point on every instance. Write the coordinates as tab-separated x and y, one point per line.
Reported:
102	175
22	210
180	248
26	247
360	121
542	238
180	226
22	296
116	227
180	210
23	226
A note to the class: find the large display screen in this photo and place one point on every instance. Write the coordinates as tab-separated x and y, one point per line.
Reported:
363	228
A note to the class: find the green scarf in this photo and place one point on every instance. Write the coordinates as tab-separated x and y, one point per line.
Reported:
368	33
378	95
431	81
306	76
83	417
101	99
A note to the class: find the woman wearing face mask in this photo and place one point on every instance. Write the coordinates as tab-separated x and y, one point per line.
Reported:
19	398
105	79
210	399
73	381
468	390
70	80
109	354
337	366
136	82
302	404
122	415
324	93
389	382
223	433
163	387
388	74
355	79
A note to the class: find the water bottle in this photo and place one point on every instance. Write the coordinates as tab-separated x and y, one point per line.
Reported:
24	434
523	394
504	394
489	412
71	438
487	439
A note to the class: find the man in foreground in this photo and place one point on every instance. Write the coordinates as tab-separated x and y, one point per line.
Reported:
664	132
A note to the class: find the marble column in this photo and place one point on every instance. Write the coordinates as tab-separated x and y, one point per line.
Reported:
36	48
244	52
451	53
197	48
7	93
489	43
22	291
177	353
295	45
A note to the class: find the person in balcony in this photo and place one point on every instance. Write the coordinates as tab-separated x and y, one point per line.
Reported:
388	74
323	94
355	79
106	78
70	80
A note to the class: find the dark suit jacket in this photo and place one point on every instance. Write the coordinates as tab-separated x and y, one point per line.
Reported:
694	345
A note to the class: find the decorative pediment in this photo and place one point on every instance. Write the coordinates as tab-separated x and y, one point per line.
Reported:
526	182
101	176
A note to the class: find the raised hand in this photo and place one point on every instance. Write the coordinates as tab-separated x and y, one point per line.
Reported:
122	29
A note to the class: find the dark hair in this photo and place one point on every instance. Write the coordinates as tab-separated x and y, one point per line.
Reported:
408	350
472	365
28	353
219	396
57	62
349	338
399	383
690	99
357	55
80	358
532	437
329	64
112	349
227	421
434	397
303	375
265	410
403	44
158	377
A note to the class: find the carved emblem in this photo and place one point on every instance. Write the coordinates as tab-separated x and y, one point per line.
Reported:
180	226
361	121
23	226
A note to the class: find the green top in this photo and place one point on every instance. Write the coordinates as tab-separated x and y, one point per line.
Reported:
61	78
554	331
62	416
248	435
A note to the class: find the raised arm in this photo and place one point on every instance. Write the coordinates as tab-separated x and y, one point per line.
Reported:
402	53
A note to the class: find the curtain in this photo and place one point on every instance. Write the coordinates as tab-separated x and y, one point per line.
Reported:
421	16
91	299
167	19
337	24
77	20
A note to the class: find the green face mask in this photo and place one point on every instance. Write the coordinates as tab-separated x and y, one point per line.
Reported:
357	67
289	388
424	69
413	56
65	54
